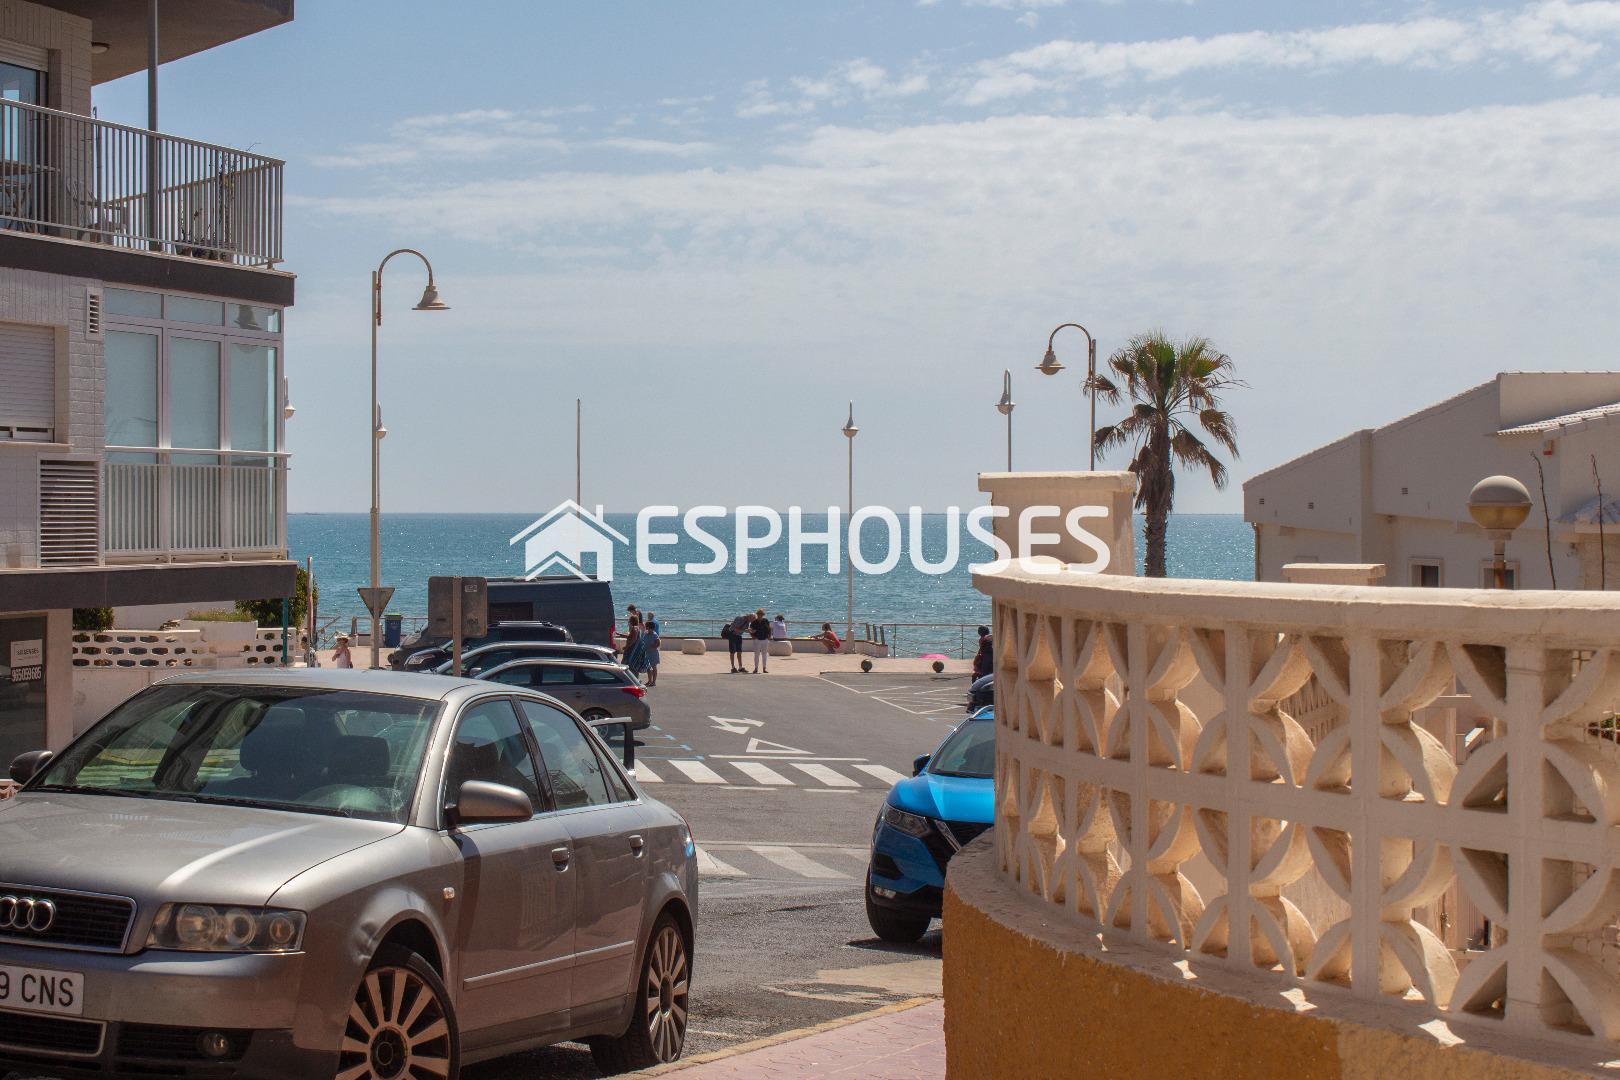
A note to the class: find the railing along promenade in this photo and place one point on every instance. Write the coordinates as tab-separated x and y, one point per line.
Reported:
1140	727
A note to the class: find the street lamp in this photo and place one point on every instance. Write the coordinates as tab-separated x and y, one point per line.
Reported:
1005	406
1499	504
1049	366
850	431
430	302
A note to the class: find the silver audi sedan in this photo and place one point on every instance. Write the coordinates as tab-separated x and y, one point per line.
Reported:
353	874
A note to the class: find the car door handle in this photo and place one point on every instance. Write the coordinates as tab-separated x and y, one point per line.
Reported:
560	857
636	843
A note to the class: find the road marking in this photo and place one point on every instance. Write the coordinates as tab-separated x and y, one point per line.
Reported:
762	774
713	867
697	772
788	859
746	757
765	746
825	775
646	775
882	772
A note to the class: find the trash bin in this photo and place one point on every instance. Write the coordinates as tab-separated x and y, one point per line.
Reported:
392	622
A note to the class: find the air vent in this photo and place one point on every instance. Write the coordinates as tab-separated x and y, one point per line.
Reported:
69	513
92	312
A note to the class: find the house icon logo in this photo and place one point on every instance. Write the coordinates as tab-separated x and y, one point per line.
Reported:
563	536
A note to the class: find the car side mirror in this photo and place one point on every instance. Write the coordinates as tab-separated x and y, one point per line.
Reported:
480	802
920	764
24	767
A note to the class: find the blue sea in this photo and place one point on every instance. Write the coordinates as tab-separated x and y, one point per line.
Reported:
418	546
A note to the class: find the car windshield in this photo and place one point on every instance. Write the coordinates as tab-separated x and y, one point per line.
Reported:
317	751
969	751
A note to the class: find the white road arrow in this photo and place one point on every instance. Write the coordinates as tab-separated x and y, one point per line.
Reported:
736	727
761	746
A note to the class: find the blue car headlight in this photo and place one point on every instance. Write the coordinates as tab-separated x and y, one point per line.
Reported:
908	823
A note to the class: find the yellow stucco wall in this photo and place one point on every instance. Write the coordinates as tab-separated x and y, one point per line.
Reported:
1019	1007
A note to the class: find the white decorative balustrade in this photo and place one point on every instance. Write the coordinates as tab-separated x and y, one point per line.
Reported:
1141	730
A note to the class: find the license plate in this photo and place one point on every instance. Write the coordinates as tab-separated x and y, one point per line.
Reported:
41	991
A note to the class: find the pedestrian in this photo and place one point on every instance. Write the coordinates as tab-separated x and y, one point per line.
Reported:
779	627
739	634
984	659
650	640
829	639
635	648
733	651
630	612
341	657
760	629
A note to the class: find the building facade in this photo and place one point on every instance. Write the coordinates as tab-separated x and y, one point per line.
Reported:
1398	494
142	385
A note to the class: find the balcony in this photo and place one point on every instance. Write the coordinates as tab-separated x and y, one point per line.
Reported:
72	177
168	511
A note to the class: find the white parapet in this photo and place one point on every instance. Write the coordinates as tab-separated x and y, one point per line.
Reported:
1143	727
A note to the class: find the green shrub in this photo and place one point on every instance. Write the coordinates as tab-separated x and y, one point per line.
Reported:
268	612
218	615
94	619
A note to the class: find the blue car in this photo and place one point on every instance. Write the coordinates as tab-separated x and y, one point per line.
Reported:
926	819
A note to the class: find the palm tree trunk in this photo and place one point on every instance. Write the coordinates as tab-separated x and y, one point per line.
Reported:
1158	490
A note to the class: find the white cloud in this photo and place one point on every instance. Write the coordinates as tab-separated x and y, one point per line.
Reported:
659	147
1564	36
473	135
854	80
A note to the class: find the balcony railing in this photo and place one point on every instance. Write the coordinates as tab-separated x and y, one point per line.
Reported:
1151	787
156	509
66	175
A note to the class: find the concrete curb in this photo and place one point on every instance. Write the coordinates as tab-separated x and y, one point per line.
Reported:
787	1036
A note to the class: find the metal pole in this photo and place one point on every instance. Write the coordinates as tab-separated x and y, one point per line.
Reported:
310	614
1009	441
376	472
578	443
153	176
1501	564
849	546
1091	388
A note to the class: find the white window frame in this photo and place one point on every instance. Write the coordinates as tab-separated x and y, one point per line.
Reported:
1413	565
1487	573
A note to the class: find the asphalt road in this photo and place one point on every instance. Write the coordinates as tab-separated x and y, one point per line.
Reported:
781	777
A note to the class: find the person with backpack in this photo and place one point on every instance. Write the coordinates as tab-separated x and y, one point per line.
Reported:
734	640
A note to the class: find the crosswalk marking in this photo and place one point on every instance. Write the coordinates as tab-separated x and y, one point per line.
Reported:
762	774
882	772
830	777
646	775
791	860
697	772
712	867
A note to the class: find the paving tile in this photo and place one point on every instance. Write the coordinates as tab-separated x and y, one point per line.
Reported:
906	1045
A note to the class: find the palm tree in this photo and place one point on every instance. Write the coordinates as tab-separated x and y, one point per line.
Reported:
1171	385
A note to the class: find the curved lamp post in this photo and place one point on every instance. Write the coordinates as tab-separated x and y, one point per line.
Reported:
430	302
1499	504
850	431
1006	406
1049	366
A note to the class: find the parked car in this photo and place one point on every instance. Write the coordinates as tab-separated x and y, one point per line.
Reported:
425	653
596	690
476	661
301	873
981	693
926	819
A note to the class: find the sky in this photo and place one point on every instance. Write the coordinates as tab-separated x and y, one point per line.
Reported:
718	223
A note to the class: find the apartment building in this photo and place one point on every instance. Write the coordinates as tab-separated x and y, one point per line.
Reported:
142	388
1398	494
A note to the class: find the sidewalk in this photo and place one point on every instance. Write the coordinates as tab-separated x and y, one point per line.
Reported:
900	1042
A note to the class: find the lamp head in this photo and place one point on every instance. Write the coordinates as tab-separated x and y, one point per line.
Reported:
1499	504
1006	405
430	300
849	428
1049	363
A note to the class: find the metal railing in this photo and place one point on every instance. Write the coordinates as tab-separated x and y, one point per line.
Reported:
960	640
162	508
71	176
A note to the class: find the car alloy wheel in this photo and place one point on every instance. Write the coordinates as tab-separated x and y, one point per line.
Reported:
666	993
399	1027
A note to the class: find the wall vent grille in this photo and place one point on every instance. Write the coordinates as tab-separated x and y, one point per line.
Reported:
92	312
69	513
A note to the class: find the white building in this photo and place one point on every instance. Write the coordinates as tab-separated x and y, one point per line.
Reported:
141	366
1398	494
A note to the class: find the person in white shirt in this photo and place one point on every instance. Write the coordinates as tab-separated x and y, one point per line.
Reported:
779	627
341	657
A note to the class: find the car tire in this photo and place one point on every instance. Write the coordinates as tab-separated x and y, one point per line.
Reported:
657	1032
590	715
389	1018
896	927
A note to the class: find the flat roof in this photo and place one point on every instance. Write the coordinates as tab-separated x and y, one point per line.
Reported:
185	27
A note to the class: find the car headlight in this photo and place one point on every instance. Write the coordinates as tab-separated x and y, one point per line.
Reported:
206	928
908	823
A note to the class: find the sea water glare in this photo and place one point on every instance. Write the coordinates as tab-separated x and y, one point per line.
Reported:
418	546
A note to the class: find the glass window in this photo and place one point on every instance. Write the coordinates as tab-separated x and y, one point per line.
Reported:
18	83
289	749
617	784
1426	575
490	746
518	676
253	397
186	309
248	317
143	305
970	750
551	675
571	763
605	676
132	389
193	393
